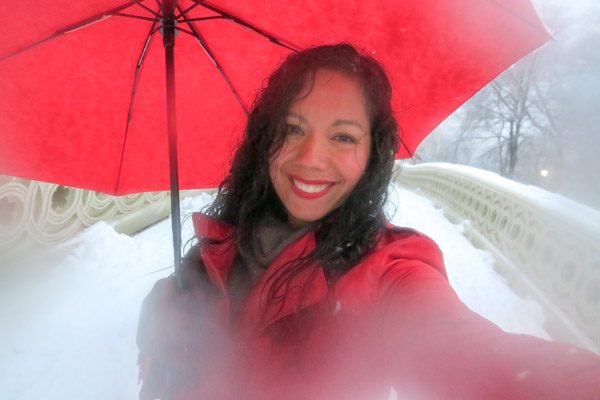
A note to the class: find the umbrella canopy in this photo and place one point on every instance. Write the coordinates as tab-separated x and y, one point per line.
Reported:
82	84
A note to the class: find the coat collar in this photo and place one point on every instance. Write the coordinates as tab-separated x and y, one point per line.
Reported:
211	228
217	248
300	291
276	296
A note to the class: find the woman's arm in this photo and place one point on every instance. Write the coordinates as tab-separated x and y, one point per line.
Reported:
440	349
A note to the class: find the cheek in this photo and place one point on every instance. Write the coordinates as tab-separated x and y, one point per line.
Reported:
275	169
354	166
278	160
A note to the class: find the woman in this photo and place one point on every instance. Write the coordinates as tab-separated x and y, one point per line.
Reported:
299	289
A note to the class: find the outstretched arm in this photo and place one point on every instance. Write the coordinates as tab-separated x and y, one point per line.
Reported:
441	349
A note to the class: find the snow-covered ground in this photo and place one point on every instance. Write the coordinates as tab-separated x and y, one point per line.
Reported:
67	326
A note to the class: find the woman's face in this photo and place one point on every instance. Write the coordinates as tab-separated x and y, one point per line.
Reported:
327	147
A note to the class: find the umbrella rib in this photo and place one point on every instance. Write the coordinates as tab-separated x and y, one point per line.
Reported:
186	31
272	38
514	14
71	28
134	16
138	68
186	20
194	32
403	144
151	11
190	8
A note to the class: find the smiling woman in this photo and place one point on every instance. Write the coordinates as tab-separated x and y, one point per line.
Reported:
326	149
319	147
300	289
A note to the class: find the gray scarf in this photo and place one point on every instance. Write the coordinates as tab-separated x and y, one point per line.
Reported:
270	237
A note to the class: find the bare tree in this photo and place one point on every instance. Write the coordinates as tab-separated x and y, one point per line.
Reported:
504	115
538	122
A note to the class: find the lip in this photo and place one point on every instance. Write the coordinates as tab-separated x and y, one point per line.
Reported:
306	195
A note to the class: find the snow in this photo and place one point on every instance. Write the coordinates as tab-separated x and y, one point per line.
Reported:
470	270
544	201
68	322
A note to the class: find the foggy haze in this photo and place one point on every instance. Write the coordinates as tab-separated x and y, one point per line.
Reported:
559	141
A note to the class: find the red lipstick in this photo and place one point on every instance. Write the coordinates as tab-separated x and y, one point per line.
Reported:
309	195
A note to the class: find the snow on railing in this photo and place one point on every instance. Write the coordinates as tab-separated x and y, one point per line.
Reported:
37	214
547	246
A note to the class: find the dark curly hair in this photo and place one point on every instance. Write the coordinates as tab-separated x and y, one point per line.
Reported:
348	232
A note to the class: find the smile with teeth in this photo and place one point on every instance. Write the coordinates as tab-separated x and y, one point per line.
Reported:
310	188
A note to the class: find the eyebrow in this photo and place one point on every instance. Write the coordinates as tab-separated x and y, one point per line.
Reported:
348	122
337	122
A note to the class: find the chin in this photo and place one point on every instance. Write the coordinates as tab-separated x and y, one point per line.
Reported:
299	220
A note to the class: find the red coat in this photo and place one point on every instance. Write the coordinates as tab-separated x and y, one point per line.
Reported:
392	320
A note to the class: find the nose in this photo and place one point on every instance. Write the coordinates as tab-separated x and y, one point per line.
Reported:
312	152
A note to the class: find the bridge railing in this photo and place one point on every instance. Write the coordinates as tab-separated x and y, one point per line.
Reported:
548	247
35	215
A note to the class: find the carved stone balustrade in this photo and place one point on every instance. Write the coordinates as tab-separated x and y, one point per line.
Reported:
34	214
546	246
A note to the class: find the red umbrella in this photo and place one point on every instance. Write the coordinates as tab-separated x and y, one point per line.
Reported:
83	97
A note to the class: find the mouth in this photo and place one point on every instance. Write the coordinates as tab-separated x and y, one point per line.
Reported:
310	189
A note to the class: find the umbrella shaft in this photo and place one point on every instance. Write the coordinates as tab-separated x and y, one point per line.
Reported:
169	44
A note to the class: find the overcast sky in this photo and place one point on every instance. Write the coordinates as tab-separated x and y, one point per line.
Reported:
580	14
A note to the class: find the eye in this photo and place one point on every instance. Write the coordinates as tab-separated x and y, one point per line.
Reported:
344	138
293	129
